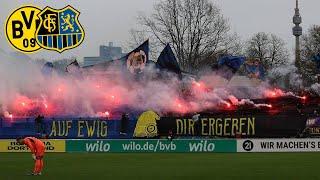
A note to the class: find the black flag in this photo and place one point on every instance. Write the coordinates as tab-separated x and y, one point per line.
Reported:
167	61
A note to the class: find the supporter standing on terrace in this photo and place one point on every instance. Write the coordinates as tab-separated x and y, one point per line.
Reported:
39	123
124	124
196	120
1	116
1	120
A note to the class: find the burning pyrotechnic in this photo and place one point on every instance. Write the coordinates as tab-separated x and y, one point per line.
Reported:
65	95
275	93
228	105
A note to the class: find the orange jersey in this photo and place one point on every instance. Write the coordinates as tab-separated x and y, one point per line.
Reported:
35	145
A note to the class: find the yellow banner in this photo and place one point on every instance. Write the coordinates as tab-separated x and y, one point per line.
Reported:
10	145
146	125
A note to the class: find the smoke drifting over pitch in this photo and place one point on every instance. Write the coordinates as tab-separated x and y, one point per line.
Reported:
25	91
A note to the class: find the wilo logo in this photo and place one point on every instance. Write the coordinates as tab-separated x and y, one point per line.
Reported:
202	146
98	146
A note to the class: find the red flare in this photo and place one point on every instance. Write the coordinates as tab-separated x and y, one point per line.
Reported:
228	105
274	93
107	113
179	106
200	85
8	115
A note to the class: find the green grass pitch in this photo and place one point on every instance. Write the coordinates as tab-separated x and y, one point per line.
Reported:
60	166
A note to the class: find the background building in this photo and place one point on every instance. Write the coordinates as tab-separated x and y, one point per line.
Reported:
106	53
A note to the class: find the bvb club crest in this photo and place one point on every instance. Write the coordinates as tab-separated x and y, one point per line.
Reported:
59	29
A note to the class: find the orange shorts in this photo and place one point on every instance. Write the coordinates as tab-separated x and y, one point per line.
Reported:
40	151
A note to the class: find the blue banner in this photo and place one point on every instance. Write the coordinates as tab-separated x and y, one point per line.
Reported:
150	125
67	128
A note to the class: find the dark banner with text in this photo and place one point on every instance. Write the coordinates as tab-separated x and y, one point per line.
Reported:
89	129
219	125
150	125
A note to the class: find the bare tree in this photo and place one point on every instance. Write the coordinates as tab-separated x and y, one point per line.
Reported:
311	43
196	29
269	49
139	36
310	47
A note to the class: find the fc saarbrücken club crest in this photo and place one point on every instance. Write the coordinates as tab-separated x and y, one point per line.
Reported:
59	29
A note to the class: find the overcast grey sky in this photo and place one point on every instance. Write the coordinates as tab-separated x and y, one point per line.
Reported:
110	20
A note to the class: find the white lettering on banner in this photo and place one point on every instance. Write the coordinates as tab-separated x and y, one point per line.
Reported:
278	145
99	146
202	146
157	146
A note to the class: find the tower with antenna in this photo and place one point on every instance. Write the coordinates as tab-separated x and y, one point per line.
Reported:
297	32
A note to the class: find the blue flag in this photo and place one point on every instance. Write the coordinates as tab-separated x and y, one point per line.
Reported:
233	62
255	71
167	61
136	60
228	65
47	69
316	59
73	65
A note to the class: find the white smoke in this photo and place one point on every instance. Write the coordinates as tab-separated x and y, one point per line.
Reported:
316	88
284	72
26	91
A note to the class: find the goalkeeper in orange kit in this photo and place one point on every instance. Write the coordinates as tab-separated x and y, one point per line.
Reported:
37	148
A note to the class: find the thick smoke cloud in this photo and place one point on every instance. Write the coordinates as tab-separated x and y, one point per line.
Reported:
25	91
